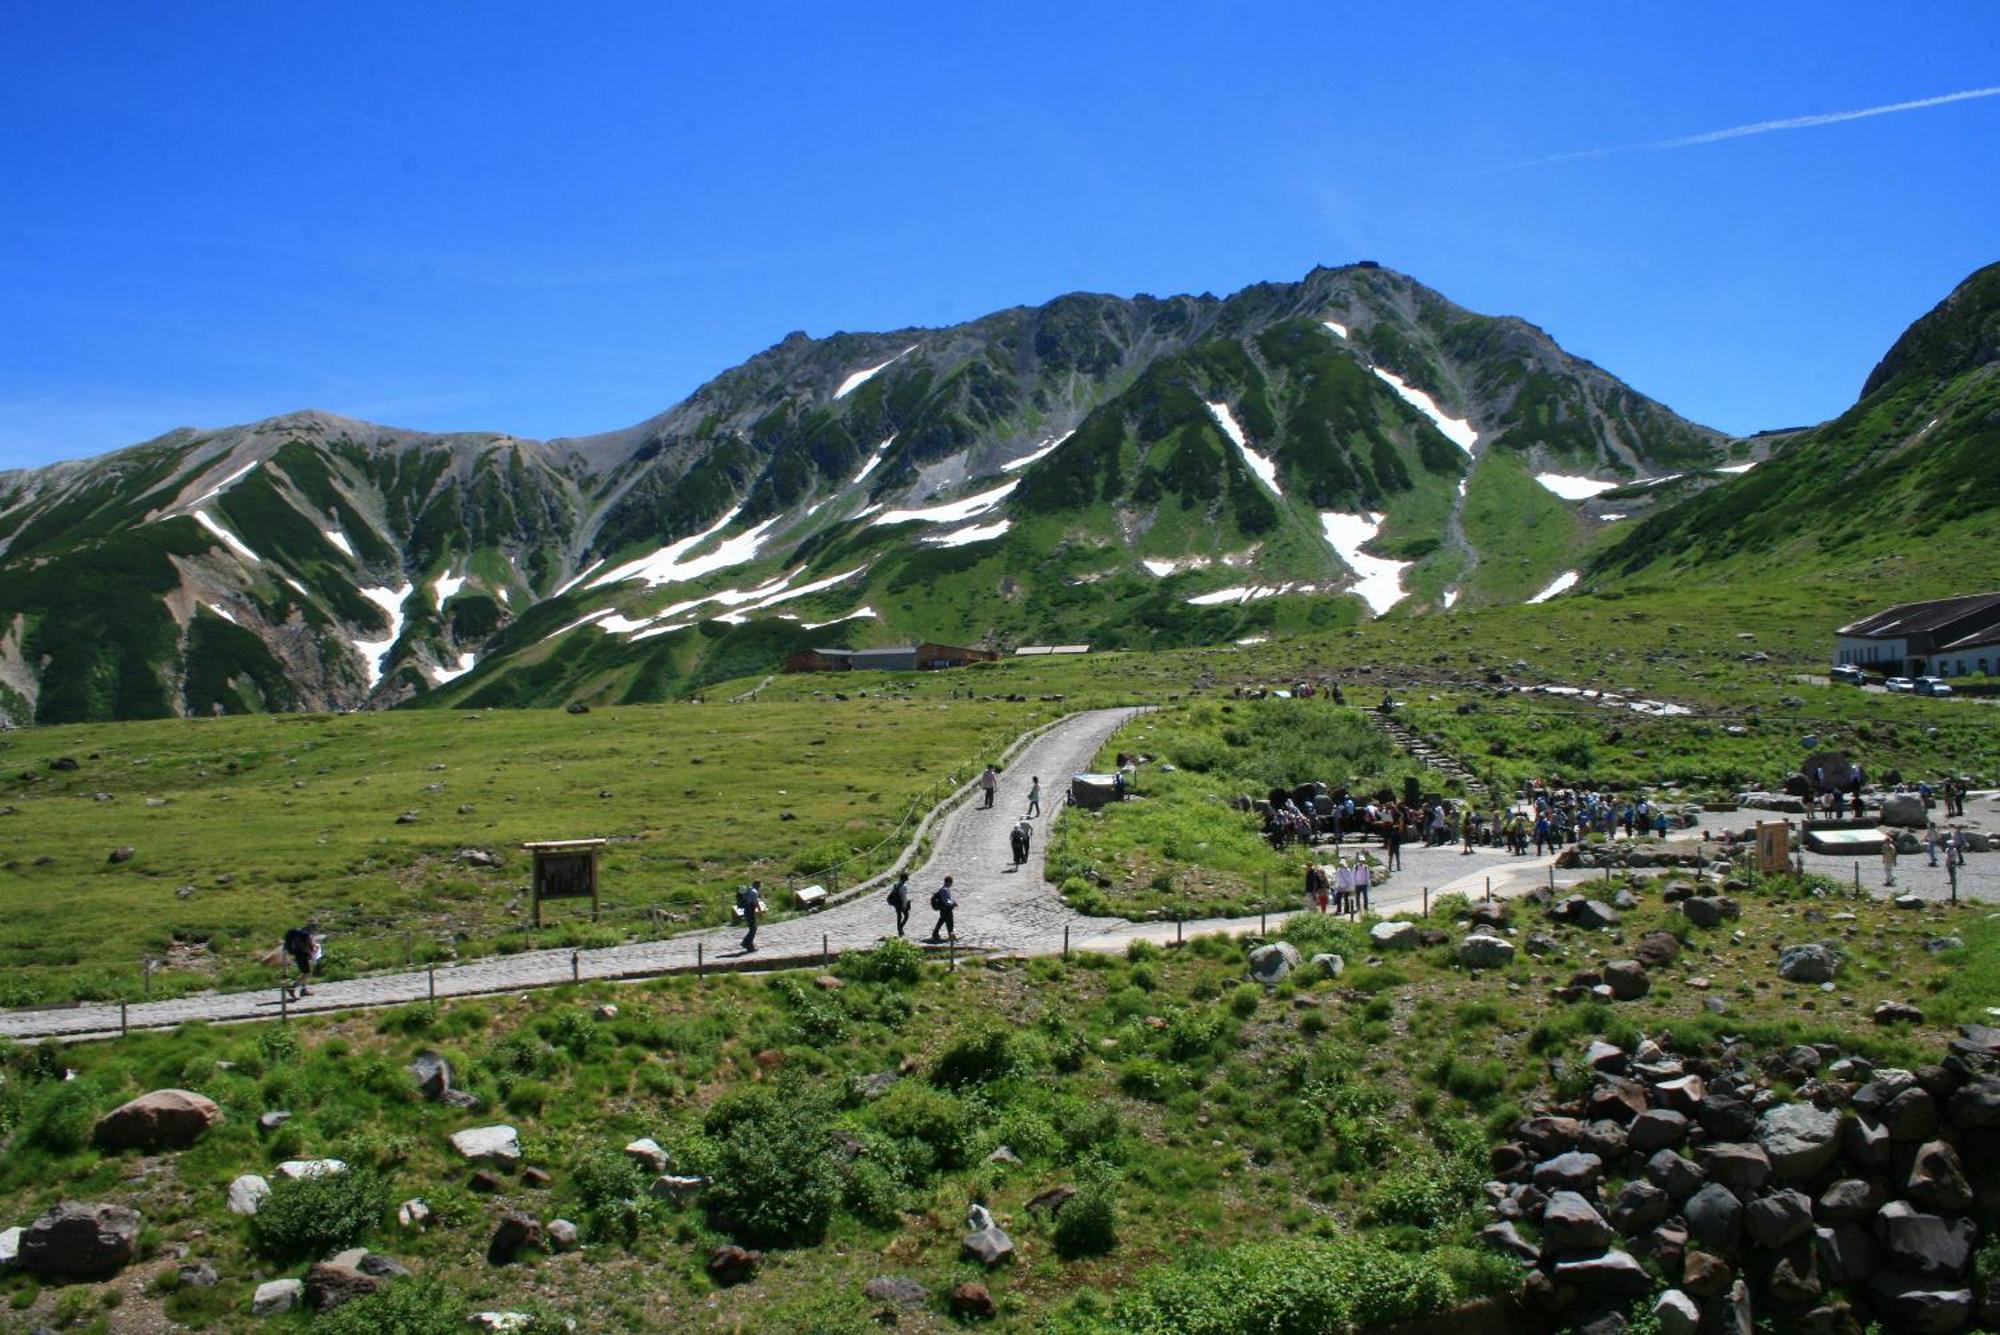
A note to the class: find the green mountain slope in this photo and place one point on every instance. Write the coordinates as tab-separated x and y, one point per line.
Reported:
1905	484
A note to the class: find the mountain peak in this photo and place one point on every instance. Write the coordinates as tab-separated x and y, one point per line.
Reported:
1959	334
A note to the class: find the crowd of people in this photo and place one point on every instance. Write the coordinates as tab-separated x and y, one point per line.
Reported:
1547	817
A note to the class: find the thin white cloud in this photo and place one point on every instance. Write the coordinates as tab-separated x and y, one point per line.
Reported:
1768	127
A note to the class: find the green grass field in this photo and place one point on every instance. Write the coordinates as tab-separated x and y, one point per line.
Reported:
242	826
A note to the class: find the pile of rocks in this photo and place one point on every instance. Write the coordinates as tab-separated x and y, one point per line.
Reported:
1627	853
1847	1204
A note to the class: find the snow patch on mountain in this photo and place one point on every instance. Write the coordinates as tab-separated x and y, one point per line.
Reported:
441	675
858	614
668	566
1456	429
1573	488
230	540
222	612
1561	584
1259	464
1744	468
1244	593
873	459
977	533
860	378
371	651
1450	598
445	587
1042	451
1338	329
223	485
339	539
1379	582
951	512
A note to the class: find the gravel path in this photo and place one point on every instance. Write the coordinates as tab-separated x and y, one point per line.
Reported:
1000	909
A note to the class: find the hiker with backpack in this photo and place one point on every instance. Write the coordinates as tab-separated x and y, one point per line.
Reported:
899	900
304	945
749	903
989	783
945	902
1022	838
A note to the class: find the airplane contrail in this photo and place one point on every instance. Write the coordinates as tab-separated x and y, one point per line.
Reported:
1767	127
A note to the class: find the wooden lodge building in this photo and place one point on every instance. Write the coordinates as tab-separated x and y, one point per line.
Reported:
1945	637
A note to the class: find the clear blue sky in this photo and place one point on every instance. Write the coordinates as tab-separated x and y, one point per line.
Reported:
552	220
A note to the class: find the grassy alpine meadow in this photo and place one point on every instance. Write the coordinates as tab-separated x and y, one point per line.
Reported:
239	827
1180	847
1303	1156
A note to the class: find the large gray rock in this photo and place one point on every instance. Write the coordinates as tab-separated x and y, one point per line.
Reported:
1924	1244
649	1155
1925	1306
247	1192
1679	1177
80	1238
1779	1218
1395	934
1708	911
331	1284
1714	1217
298	1169
1639	1206
1571	1226
1849	1198
1937	1181
1614	1273
1329	964
1627	979
1657	1129
1846	1252
10	1247
1270	963
1911	1115
1799	1139
1676	1314
1575	1171
277	1297
488	1144
1905	811
432	1073
1742	1167
1483	951
1594	913
1810	962
1976	1105
990	1246
166	1119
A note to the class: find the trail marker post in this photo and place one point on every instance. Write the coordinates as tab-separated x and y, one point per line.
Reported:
565	869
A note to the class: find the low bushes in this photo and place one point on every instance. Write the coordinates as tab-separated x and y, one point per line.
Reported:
1296	1287
312	1216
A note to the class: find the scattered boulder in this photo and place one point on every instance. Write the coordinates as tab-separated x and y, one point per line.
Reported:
1574	1171
989	1246
488	1144
1742	1167
79	1238
1680	1178
730	1264
125	853
1808	963
1329	965
973	1301
562	1236
276	1297
1657	1129
896	1289
1051	1201
1270	963
10	1247
1709	910
297	1169
1395	934
166	1119
517	1231
432	1073
678	1187
414	1213
247	1192
1898	1012
331	1283
1714	1217
1905	811
1483	951
1676	1314
1638	1207
1627	979
1656	950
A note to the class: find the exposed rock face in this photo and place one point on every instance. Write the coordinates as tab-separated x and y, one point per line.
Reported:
166	1119
1482	951
78	1238
1271	963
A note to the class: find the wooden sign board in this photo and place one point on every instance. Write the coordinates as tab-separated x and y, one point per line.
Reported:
565	869
1774	852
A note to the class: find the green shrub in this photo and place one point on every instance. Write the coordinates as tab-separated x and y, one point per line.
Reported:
1149	1080
1243	1001
417	1305
1087	1224
1194	1033
772	1178
983	1056
62	1119
614	1194
896	960
1294	1287
937	1130
873	1194
311	1216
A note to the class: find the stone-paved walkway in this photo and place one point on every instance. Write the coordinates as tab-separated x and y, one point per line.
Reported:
1000	909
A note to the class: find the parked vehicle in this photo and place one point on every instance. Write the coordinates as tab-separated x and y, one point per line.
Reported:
1903	684
1933	686
1849	675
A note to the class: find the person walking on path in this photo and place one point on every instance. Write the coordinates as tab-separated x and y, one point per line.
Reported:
1392	841
989	783
1888	859
1035	796
946	903
1024	839
899	900
304	945
750	902
1364	876
1931	842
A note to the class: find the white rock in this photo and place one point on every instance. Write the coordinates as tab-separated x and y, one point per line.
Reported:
490	1144
413	1213
247	1192
276	1297
650	1154
10	1247
499	1320
302	1168
1396	934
